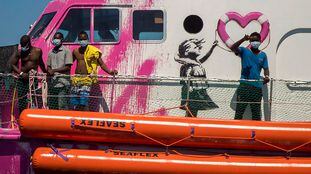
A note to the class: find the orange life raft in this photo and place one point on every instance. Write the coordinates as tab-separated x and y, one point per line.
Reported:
153	162
165	131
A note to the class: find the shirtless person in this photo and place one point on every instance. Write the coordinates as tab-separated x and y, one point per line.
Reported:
31	58
88	59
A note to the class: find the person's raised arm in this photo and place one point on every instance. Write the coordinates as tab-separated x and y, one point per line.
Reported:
50	70
41	63
74	58
209	53
235	46
104	67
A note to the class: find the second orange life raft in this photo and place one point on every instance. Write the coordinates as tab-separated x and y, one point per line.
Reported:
165	131
157	163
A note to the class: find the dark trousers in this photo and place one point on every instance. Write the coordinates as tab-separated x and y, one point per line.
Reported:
248	94
59	98
97	98
22	91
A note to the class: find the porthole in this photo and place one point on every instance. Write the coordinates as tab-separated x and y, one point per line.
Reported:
193	24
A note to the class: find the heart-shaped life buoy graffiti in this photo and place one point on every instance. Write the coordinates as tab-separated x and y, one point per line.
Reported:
243	21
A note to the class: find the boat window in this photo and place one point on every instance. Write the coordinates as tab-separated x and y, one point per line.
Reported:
77	20
148	25
106	25
193	24
39	28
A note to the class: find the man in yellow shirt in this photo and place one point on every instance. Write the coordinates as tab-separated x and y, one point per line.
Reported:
88	59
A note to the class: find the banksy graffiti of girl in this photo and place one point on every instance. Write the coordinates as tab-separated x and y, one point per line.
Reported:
191	58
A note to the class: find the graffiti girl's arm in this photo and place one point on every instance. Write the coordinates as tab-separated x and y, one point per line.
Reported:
207	55
235	46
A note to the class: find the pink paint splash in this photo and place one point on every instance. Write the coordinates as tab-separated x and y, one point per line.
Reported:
120	53
115	56
161	112
117	53
141	92
127	1
150	3
147	69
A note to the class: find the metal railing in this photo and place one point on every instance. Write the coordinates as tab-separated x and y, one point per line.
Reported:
212	98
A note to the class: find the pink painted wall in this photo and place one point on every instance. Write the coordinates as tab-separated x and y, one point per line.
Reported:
114	56
13	158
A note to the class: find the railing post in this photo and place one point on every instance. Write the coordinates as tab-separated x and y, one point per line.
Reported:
30	79
112	92
270	99
188	89
45	94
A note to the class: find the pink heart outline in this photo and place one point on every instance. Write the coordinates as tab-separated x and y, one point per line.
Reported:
243	21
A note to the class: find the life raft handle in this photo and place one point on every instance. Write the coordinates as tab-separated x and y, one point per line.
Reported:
58	153
253	134
288	155
192	132
72	123
167	151
133	126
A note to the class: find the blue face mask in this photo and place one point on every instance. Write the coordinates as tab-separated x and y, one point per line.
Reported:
56	42
83	43
255	44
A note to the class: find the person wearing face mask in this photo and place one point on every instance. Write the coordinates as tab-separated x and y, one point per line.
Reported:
250	89
31	58
59	64
88	59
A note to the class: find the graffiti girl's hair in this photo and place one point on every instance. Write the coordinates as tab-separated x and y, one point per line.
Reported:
185	45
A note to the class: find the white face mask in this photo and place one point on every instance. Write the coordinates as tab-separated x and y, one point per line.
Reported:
56	42
24	49
83	43
255	44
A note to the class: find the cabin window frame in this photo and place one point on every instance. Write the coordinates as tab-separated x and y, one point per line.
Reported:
60	22
164	26
93	26
37	22
91	35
